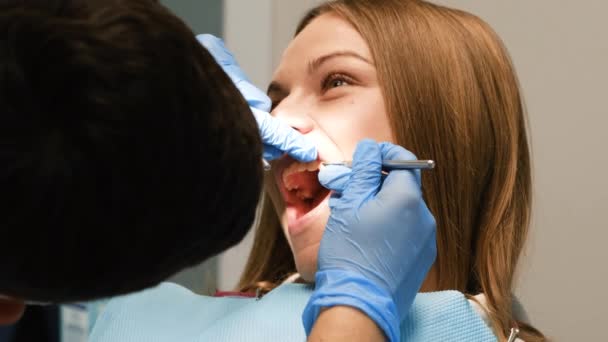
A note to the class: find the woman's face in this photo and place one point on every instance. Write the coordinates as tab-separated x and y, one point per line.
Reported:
325	87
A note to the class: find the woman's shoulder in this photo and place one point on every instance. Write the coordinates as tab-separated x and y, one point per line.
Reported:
444	316
480	304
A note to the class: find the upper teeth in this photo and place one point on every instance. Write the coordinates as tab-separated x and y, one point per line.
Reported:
298	167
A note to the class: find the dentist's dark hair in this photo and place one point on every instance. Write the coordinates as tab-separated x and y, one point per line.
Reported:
126	152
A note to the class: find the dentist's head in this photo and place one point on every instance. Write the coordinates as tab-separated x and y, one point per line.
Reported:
127	154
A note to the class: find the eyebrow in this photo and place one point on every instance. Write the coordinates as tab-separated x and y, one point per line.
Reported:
317	62
276	90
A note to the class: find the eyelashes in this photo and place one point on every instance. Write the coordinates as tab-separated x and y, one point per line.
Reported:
335	80
331	81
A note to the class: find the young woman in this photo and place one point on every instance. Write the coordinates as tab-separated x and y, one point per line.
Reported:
435	80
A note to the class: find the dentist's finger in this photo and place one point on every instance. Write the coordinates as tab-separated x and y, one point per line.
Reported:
396	152
334	177
366	176
218	50
254	96
280	135
298	146
272	153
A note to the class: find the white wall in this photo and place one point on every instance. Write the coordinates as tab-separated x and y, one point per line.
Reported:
561	54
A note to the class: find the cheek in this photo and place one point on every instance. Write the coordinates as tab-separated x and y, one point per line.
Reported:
359	117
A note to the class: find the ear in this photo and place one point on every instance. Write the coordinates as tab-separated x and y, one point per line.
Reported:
11	310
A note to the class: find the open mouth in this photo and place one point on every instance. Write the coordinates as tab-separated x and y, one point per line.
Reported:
301	189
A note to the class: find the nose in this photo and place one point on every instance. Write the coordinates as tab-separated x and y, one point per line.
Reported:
296	115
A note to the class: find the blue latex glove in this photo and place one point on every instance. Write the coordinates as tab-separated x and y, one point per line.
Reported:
379	243
278	137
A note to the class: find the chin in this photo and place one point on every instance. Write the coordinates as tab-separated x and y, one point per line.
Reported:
305	244
306	263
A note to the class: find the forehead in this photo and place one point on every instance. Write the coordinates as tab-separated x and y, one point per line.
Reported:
326	34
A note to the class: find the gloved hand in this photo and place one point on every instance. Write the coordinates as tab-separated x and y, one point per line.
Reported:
278	137
379	242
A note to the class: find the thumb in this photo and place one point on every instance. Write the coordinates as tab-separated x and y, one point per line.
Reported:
366	176
334	177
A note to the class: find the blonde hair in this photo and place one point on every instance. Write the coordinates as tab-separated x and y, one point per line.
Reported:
451	95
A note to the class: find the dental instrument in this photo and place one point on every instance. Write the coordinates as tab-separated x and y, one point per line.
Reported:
389	165
513	335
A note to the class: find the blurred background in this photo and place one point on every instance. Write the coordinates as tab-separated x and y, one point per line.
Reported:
560	53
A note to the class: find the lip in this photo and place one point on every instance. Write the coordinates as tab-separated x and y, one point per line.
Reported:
296	225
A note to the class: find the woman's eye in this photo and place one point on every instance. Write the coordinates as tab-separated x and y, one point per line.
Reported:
335	81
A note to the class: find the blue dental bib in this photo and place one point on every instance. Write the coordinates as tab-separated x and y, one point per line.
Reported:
171	313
